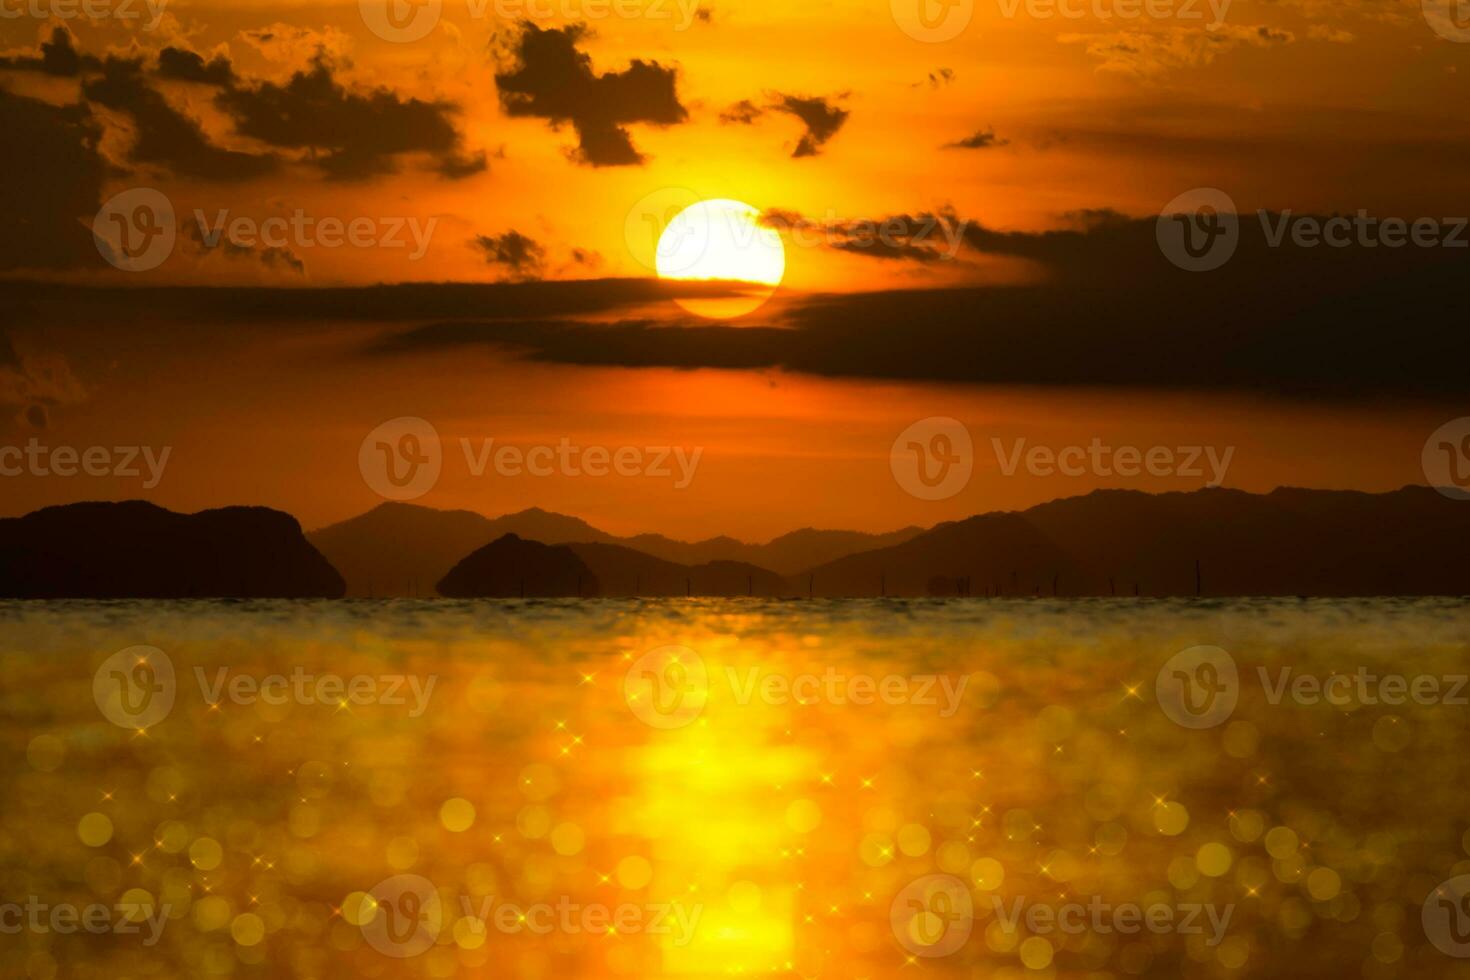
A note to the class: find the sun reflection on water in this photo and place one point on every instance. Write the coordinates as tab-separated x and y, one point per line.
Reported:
814	790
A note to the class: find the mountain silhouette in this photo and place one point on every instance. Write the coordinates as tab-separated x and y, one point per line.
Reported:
399	549
1287	542
790	553
403	549
511	567
625	571
135	549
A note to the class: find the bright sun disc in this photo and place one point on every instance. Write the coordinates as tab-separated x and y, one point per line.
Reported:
722	239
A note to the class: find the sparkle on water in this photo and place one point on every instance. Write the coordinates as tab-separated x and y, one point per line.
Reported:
781	825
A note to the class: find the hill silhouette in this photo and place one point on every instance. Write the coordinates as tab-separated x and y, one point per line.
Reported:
785	555
399	549
135	549
511	567
627	572
1287	542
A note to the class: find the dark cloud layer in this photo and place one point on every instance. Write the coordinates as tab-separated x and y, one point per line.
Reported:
1112	311
552	80
166	136
353	134
59	56
349	134
51	176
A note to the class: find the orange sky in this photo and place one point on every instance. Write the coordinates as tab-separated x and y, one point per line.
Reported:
1296	105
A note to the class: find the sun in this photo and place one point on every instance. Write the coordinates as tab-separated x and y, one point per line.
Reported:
722	239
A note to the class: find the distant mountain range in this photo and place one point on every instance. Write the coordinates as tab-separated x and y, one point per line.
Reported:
400	549
1212	542
1287	542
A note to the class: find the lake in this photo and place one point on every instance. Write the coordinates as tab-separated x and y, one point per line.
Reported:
1088	788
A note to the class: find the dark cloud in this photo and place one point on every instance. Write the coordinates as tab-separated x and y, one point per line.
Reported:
742	113
551	79
166	136
184	65
923	237
1110	310
227	306
351	135
36	416
58	56
821	118
941	77
457	166
522	257
51	176
984	139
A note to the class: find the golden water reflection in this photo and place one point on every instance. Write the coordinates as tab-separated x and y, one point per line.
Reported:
717	788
